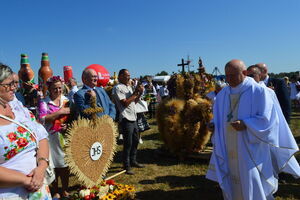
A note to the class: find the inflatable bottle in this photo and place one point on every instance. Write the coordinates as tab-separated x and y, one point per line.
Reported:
45	72
25	73
68	73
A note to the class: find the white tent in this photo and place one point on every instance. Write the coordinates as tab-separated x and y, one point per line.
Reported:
161	78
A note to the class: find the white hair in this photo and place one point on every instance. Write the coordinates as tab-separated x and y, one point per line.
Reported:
5	71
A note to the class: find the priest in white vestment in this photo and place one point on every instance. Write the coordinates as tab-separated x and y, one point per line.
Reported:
284	134
247	154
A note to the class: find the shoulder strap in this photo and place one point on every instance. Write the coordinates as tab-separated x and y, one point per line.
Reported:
23	126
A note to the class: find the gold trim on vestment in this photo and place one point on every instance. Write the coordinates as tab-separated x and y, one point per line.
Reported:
287	161
271	143
297	150
256	166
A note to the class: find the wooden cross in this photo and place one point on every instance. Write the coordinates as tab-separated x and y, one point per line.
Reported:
200	62
183	64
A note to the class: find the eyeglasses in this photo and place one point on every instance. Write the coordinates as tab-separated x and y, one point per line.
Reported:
251	75
94	78
8	85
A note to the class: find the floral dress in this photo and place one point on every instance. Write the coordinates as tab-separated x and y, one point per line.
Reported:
17	152
56	139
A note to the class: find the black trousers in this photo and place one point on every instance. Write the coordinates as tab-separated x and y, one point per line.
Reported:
130	141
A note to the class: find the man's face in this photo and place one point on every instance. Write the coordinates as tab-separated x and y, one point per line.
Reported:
16	80
252	72
264	71
71	83
125	77
91	79
234	76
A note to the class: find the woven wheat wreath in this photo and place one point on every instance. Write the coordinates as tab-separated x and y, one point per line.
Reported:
90	148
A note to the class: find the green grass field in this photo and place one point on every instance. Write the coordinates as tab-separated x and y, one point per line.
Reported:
167	178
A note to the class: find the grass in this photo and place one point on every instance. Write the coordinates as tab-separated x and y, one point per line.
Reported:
167	178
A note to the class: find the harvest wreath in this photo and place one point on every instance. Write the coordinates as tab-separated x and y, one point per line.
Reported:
90	147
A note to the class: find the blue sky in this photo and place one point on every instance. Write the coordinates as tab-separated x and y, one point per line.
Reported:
148	36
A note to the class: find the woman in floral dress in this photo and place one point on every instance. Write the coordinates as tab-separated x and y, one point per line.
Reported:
53	113
22	165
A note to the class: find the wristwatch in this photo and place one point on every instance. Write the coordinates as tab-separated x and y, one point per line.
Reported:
44	159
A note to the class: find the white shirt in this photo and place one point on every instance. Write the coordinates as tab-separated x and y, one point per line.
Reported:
294	91
266	80
72	92
120	92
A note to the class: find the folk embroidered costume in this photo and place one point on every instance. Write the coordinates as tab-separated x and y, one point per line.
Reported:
17	152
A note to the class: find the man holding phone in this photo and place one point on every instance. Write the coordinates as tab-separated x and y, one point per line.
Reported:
125	99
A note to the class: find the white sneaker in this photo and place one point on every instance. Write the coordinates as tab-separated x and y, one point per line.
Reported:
141	141
121	137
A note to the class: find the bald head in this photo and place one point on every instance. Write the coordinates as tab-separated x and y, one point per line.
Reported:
235	71
263	69
89	77
236	64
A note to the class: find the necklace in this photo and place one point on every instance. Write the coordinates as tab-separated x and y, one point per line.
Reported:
230	114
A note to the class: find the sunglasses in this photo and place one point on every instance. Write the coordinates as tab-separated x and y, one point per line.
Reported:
251	75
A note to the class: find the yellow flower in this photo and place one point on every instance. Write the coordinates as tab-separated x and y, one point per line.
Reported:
111	196
121	195
116	192
108	197
130	189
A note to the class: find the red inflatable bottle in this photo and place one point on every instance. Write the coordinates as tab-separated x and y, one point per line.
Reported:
68	73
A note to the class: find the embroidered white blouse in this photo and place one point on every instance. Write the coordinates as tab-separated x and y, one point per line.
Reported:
18	149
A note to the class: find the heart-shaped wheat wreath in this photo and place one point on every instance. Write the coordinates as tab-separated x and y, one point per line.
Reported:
80	139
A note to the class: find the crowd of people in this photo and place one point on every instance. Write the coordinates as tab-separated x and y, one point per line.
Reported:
35	125
252	140
293	85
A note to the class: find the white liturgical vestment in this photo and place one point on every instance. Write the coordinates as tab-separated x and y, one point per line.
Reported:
246	163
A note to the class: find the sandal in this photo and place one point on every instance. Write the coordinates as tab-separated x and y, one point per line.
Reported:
56	195
65	194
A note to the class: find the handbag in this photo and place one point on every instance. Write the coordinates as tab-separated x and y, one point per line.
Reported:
50	174
141	106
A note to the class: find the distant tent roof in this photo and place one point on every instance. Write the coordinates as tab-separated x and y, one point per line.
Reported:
161	78
220	77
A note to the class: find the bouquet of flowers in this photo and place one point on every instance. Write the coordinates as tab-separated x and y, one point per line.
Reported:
107	190
56	124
